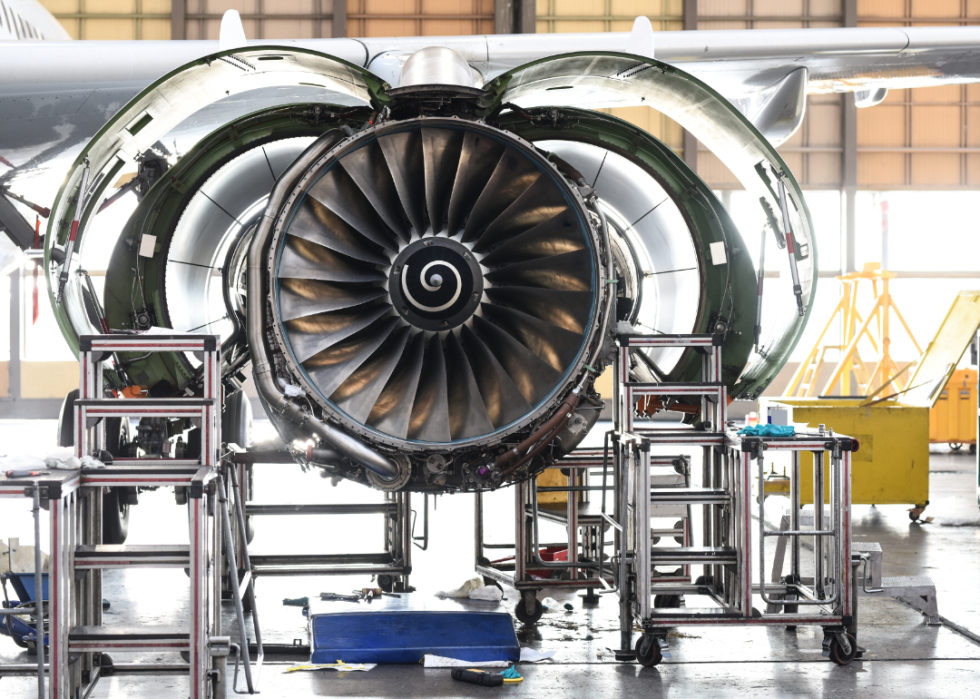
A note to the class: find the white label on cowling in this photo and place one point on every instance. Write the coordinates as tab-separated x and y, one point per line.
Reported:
718	254
149	242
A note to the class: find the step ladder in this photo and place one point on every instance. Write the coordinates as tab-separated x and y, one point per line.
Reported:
78	557
669	491
726	590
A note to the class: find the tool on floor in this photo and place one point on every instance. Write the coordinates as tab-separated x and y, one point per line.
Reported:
333	597
482	677
26	473
298	602
368	593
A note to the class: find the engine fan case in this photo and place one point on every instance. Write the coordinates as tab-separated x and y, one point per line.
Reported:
380	359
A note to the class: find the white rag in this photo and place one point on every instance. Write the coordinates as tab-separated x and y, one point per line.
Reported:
528	655
55	458
463	590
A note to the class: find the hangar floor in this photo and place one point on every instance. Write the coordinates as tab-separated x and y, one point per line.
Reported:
906	658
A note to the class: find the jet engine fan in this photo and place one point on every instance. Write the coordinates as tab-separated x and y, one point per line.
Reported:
436	287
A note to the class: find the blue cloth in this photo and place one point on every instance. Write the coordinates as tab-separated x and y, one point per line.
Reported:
510	674
768	431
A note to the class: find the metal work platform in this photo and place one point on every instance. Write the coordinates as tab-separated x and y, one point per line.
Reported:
732	560
391	566
79	641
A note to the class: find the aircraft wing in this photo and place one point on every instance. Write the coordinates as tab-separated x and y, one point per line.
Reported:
55	96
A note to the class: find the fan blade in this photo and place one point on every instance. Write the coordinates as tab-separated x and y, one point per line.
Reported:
566	309
338	192
571	271
302	259
306	297
468	416
393	409
540	202
534	378
360	392
477	161
313	334
441	155
430	414
403	153
555	236
367	167
512	176
557	346
503	401
331	367
318	224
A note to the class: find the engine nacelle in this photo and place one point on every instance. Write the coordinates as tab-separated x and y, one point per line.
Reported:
427	279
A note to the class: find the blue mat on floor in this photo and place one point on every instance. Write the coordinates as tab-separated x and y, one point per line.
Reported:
403	629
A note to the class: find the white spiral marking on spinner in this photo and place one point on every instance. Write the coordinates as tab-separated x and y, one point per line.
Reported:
428	287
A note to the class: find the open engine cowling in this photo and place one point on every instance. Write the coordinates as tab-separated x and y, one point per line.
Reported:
429	290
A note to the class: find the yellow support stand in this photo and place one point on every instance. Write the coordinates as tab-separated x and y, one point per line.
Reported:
870	376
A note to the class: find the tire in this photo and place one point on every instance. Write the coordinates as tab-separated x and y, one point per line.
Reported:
652	657
520	611
838	656
115	517
116	503
667	601
236	428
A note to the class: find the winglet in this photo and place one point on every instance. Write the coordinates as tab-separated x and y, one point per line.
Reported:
641	38
232	33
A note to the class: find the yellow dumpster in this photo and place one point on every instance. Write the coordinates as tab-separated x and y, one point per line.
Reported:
952	419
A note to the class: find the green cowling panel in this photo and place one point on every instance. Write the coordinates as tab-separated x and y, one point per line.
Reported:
153	114
159	213
599	80
707	219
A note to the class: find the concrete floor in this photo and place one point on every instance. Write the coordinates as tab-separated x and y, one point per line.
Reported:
906	657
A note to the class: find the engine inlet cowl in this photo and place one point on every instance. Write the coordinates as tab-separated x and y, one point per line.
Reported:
435	287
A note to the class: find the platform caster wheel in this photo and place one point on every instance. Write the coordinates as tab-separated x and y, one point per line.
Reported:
652	657
667	601
520	611
837	655
386	583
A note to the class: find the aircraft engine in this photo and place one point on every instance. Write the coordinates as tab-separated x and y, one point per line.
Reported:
428	280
